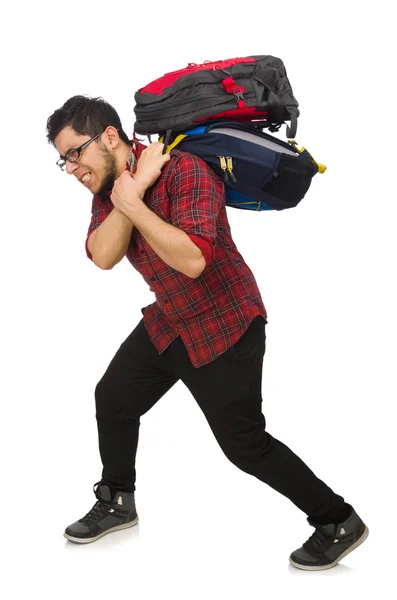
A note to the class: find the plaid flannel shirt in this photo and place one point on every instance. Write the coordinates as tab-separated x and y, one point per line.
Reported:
209	312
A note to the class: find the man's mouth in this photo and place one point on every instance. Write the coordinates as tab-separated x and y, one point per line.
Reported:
85	178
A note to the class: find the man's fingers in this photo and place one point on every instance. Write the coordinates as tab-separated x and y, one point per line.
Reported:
154	147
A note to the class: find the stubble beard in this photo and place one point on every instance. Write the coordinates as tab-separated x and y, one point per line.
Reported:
109	172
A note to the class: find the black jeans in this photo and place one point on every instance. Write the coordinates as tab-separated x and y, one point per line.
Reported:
228	391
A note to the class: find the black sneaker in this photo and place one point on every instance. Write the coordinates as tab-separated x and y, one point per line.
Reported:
105	516
330	543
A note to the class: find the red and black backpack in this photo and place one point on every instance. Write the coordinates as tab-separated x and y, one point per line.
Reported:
217	110
254	88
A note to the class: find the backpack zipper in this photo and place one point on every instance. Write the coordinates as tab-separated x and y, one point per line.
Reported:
230	168
222	160
227	167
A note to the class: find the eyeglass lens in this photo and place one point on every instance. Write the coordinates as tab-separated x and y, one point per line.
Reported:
72	155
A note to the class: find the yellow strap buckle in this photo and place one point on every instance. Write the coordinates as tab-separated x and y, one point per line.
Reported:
321	168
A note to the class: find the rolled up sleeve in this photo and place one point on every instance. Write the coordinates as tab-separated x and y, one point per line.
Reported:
197	195
206	247
100	209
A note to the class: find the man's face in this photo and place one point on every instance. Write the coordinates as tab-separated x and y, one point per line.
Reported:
95	159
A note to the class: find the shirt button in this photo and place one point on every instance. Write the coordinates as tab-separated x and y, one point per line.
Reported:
142	252
166	301
153	278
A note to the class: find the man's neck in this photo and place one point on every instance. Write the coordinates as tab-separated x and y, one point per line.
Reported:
121	159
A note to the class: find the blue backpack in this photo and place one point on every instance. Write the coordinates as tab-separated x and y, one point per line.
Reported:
260	172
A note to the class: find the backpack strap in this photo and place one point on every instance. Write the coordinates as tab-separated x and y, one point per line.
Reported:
306	154
291	131
168	147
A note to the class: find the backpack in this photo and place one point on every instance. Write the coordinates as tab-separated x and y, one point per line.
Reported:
237	89
260	172
219	110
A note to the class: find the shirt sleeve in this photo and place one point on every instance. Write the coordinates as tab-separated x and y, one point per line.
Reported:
197	195
99	211
206	247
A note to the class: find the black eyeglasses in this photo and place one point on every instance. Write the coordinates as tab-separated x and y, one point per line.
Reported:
74	153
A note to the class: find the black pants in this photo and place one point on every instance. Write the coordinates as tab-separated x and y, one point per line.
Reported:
228	391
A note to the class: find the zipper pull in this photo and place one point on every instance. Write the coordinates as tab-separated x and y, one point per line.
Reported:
230	168
223	166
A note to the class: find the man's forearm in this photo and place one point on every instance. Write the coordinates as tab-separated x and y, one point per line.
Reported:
170	243
112	238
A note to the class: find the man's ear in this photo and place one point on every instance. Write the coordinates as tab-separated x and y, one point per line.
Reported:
111	136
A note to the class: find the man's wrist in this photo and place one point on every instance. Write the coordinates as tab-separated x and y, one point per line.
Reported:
140	187
124	218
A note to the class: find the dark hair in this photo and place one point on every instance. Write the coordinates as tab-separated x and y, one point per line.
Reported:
87	116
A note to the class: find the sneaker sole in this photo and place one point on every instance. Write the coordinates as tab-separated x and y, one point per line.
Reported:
345	553
93	539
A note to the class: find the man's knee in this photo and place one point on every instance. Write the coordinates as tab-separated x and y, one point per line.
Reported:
247	449
110	401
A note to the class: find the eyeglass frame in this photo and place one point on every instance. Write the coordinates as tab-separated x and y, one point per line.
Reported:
61	162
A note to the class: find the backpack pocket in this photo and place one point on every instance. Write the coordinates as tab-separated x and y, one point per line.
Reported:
290	182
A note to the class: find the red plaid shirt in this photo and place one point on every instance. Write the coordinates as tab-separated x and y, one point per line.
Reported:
209	312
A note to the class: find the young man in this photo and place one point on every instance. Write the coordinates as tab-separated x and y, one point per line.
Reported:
166	213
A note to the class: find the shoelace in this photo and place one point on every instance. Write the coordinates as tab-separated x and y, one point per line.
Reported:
314	542
99	509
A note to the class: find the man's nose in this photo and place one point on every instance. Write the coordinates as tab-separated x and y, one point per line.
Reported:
71	167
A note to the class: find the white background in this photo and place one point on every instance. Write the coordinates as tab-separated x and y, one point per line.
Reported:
326	271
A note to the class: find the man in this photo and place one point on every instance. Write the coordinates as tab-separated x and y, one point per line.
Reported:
166	213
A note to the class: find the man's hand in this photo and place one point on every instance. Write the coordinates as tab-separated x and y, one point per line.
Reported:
128	191
126	195
149	165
